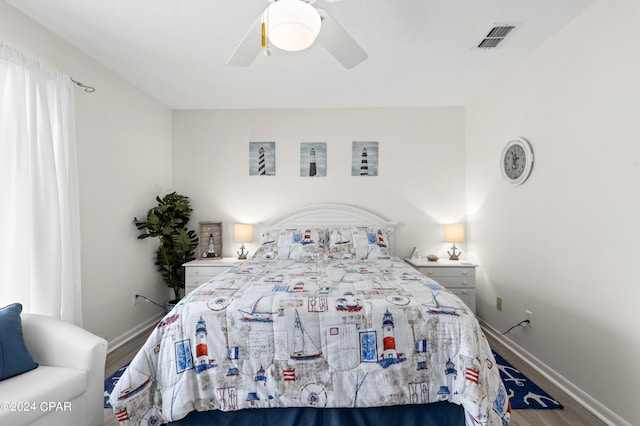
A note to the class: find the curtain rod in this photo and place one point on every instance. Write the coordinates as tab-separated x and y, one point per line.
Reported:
86	88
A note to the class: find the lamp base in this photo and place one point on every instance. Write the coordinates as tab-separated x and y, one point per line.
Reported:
242	255
452	254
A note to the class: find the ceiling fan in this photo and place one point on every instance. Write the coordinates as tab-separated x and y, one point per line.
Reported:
275	24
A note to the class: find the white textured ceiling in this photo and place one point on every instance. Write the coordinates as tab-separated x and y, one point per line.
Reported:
420	51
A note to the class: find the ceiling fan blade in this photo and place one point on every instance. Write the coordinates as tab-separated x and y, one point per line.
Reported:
339	43
249	47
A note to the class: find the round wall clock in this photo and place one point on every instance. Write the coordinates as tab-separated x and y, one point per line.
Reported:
516	161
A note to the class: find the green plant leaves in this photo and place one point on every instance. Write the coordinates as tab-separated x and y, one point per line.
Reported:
168	222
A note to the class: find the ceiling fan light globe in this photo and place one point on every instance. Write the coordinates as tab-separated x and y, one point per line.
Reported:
292	25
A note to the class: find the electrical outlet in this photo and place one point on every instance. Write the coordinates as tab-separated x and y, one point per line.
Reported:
529	315
135	300
499	303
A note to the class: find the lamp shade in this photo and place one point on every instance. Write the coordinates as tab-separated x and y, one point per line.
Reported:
242	232
454	233
292	24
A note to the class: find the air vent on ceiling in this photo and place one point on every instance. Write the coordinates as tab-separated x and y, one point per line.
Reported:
495	36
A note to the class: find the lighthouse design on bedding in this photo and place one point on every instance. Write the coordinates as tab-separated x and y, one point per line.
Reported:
203	362
329	332
389	355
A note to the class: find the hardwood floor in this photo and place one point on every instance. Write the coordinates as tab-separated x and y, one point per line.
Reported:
572	414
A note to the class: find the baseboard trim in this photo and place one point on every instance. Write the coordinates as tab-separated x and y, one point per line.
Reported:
124	338
585	400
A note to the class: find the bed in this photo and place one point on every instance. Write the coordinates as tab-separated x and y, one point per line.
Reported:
323	325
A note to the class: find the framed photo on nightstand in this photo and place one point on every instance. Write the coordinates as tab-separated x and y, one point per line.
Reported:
210	240
415	254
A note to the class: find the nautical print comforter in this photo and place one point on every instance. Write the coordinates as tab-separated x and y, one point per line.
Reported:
313	333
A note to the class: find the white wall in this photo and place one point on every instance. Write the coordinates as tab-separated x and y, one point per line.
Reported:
124	155
421	167
562	245
565	243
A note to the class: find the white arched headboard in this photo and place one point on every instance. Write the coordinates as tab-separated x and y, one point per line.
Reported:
331	215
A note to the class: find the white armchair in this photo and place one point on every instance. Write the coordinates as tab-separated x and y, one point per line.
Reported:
68	385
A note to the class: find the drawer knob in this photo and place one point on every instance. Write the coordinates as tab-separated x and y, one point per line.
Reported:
465	272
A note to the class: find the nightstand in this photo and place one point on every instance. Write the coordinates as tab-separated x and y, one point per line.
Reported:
459	277
200	271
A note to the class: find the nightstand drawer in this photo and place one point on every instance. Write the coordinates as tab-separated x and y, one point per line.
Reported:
449	272
195	281
198	272
455	282
205	271
458	277
467	296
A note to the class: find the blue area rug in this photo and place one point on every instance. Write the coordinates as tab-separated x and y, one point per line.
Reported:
523	393
110	383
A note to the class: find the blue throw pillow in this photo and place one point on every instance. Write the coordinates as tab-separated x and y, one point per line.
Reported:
14	357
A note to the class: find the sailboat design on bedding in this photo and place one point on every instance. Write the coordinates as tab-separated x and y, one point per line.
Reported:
260	311
303	347
298	333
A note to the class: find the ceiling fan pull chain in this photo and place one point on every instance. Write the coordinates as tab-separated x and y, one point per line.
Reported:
265	39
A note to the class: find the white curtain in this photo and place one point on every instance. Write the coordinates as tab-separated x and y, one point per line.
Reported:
39	213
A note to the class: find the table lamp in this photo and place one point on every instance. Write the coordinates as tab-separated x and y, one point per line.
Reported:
454	233
242	233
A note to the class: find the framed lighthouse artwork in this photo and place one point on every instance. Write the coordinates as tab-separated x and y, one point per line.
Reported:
210	240
262	158
364	158
313	159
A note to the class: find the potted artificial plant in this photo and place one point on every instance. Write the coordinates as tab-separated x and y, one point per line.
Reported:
168	222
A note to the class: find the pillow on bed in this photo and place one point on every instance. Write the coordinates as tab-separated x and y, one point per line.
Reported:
358	242
269	247
341	242
301	243
371	243
292	243
14	357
